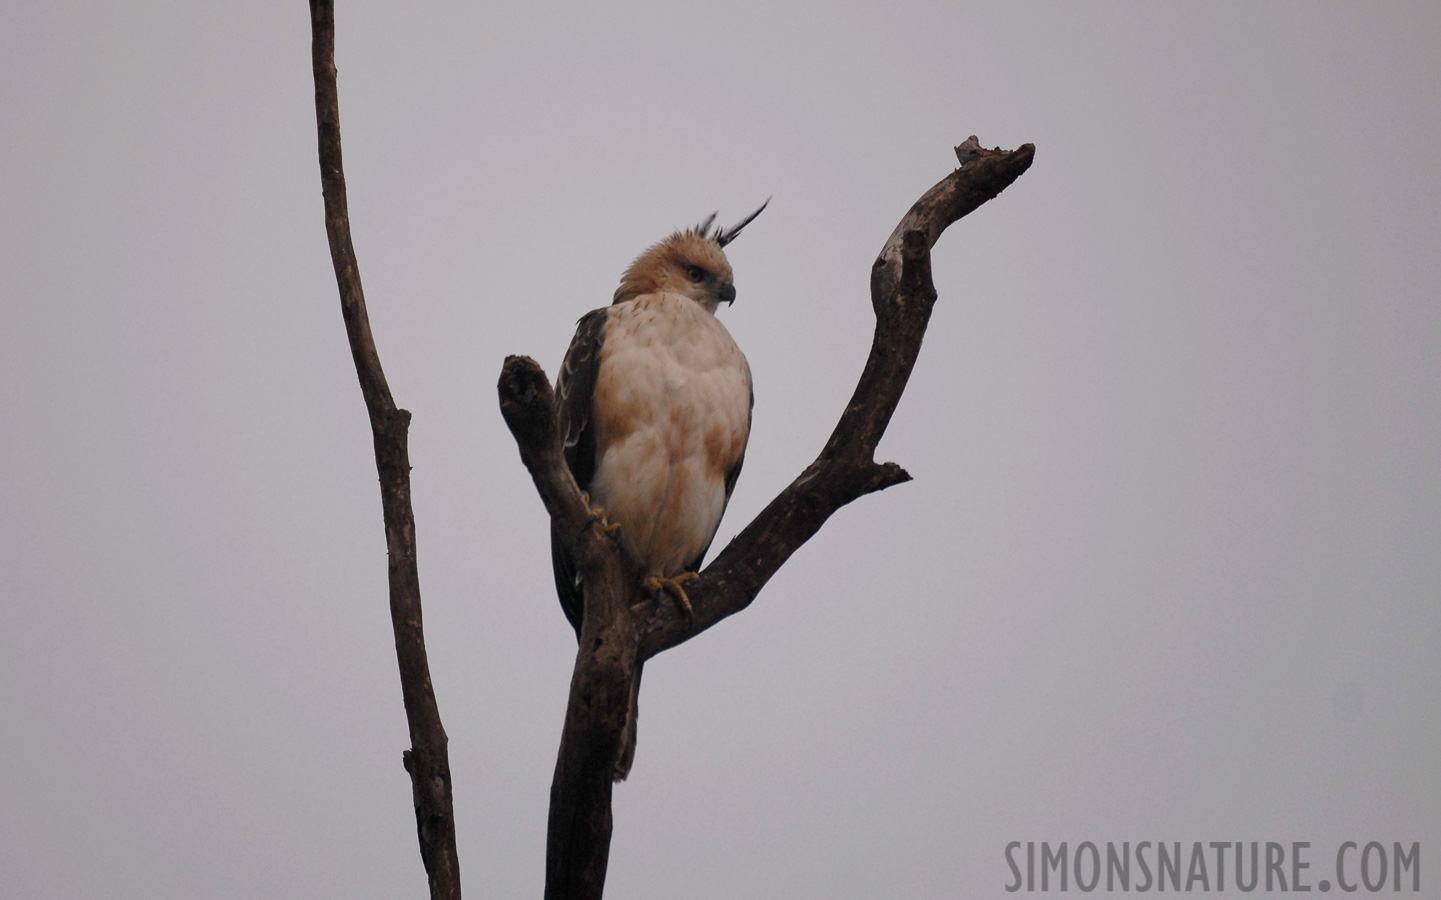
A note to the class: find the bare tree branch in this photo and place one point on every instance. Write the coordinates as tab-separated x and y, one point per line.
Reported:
622	625
427	760
902	296
578	838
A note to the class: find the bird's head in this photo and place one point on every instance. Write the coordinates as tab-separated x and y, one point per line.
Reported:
690	262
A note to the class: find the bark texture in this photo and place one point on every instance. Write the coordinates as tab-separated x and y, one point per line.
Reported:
427	760
624	625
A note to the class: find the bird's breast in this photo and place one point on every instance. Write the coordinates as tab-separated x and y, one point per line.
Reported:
672	416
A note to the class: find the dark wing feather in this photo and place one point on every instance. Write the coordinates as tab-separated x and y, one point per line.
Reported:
574	394
732	477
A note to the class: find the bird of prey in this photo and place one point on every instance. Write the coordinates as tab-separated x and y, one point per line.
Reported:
654	403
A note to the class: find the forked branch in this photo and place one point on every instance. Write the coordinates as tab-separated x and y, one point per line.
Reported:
624	626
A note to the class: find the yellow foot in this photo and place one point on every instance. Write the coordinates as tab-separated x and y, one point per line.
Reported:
597	513
673	587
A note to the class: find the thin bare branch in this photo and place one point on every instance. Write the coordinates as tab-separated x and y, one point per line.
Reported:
427	760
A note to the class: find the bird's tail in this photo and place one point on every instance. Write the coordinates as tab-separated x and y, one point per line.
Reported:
626	756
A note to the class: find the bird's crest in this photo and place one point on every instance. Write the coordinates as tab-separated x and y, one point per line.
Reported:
667	265
723	236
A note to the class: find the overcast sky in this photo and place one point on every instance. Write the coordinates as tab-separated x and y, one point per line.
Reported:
1168	570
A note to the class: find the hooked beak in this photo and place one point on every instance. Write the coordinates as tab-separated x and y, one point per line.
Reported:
727	293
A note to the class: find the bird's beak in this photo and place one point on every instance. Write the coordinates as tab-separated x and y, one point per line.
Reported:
727	293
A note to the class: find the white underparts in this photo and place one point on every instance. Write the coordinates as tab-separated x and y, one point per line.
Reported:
672	415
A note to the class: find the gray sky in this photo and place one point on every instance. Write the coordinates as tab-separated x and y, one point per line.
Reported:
1168	570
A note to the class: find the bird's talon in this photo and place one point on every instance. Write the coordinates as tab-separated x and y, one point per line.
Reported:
597	514
673	587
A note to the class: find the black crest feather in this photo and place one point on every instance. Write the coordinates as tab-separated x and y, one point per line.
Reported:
723	236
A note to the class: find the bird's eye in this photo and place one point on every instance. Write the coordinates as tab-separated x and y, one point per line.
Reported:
695	273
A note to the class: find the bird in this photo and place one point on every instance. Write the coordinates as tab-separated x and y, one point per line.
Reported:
654	403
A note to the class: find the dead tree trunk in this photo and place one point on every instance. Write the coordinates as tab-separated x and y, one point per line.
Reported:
427	760
624	626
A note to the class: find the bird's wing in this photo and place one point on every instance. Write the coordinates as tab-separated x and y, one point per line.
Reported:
733	475
574	394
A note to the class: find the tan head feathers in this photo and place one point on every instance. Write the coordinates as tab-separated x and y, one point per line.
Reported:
690	262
